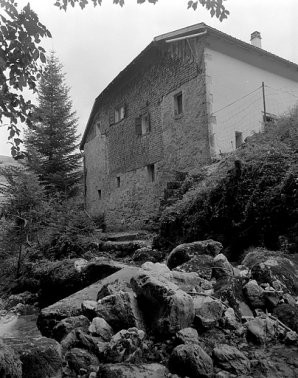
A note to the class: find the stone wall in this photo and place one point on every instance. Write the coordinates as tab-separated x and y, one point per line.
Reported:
117	157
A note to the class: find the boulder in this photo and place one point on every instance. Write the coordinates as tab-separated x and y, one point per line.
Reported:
190	281
160	271
229	319
10	364
191	361
60	279
187	336
261	330
113	288
125	346
231	359
287	314
79	264
120	311
70	306
208	312
166	308
202	265
77	338
68	324
254	294
221	267
229	290
132	371
100	328
144	254
184	252
268	266
78	359
40	357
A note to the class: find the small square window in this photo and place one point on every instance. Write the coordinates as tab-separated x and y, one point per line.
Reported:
178	104
118	181
142	124
238	138
98	128
119	113
99	194
151	172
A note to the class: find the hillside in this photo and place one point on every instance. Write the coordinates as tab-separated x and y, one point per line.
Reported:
5	161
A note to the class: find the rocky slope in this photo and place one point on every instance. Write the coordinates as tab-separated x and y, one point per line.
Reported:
192	315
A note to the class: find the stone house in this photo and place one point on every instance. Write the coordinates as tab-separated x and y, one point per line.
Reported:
158	117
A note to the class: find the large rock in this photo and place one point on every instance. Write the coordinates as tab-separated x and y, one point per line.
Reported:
190	281
125	346
78	359
230	291
221	267
60	279
132	371
72	305
184	252
40	357
191	361
100	328
65	326
208	312
261	330
287	314
254	294
231	359
166	308
10	364
202	265
268	267
120	311
187	336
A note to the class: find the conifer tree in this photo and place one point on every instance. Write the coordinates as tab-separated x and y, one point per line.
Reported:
52	141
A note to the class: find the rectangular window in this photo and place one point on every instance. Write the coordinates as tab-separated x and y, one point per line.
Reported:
118	181
99	194
98	128
239	138
119	113
151	172
142	124
178	104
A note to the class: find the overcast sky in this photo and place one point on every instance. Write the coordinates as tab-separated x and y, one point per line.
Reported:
95	44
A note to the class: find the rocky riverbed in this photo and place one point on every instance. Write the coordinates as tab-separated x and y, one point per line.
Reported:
188	314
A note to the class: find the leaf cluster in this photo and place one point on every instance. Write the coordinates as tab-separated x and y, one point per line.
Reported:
20	64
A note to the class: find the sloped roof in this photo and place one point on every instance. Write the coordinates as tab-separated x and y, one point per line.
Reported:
184	32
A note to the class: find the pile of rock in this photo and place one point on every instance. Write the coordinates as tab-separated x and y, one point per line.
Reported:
193	316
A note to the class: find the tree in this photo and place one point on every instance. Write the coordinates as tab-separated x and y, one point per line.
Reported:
23	209
20	59
51	142
215	7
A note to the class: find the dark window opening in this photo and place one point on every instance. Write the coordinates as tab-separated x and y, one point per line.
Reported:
118	182
239	138
99	194
151	172
142	124
178	104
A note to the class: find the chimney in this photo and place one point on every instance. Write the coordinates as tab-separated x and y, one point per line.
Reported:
255	39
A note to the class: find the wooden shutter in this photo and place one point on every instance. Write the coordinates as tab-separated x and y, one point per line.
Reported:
112	117
138	126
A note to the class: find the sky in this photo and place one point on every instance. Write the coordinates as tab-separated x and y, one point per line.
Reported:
95	44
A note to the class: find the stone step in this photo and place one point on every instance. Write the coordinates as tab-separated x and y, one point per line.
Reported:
126	236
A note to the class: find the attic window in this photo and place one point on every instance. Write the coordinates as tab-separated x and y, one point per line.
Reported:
178	104
151	172
119	113
239	138
142	124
